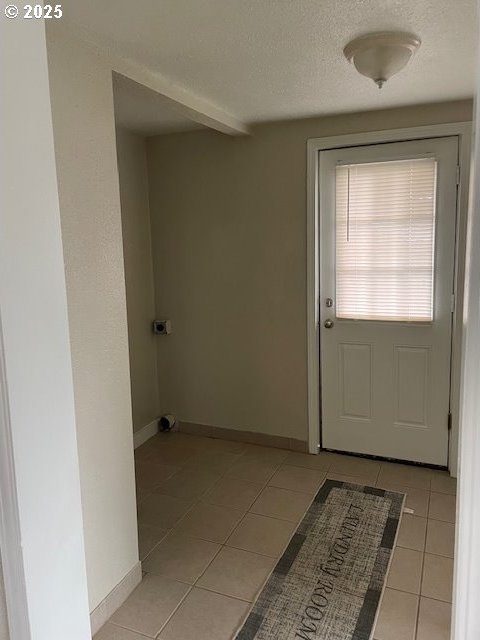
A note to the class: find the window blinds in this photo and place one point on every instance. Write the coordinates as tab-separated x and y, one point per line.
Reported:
385	235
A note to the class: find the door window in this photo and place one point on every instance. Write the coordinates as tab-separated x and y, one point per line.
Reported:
385	237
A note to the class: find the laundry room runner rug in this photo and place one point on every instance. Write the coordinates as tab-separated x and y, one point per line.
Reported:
328	583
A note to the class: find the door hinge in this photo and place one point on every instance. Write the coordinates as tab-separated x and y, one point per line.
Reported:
452	303
458	174
449	421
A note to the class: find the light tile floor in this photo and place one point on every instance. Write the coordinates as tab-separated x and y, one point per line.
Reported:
214	516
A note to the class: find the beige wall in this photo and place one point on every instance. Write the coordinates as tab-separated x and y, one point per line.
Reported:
42	534
137	250
229	249
84	133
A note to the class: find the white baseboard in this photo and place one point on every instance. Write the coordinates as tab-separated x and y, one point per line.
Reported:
103	612
145	433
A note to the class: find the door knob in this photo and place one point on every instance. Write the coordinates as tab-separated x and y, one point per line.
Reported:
328	324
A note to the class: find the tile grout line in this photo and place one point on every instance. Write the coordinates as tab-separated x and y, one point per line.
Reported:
115	624
154	547
417	595
174	612
417	617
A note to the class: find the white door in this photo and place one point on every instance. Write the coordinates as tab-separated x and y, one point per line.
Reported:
387	245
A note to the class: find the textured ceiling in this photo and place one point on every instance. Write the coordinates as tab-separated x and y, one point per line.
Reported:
279	59
144	111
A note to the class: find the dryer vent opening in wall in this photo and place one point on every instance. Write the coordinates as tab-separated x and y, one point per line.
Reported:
167	422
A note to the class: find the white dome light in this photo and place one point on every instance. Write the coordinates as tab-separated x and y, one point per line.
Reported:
381	55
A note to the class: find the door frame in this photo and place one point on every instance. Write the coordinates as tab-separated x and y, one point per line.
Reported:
10	533
463	131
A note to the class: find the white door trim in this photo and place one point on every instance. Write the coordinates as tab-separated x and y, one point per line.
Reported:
314	146
466	613
10	536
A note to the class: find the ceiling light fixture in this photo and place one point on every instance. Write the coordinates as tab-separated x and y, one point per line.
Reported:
381	55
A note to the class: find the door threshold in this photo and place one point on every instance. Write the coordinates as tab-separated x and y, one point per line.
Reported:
369	456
